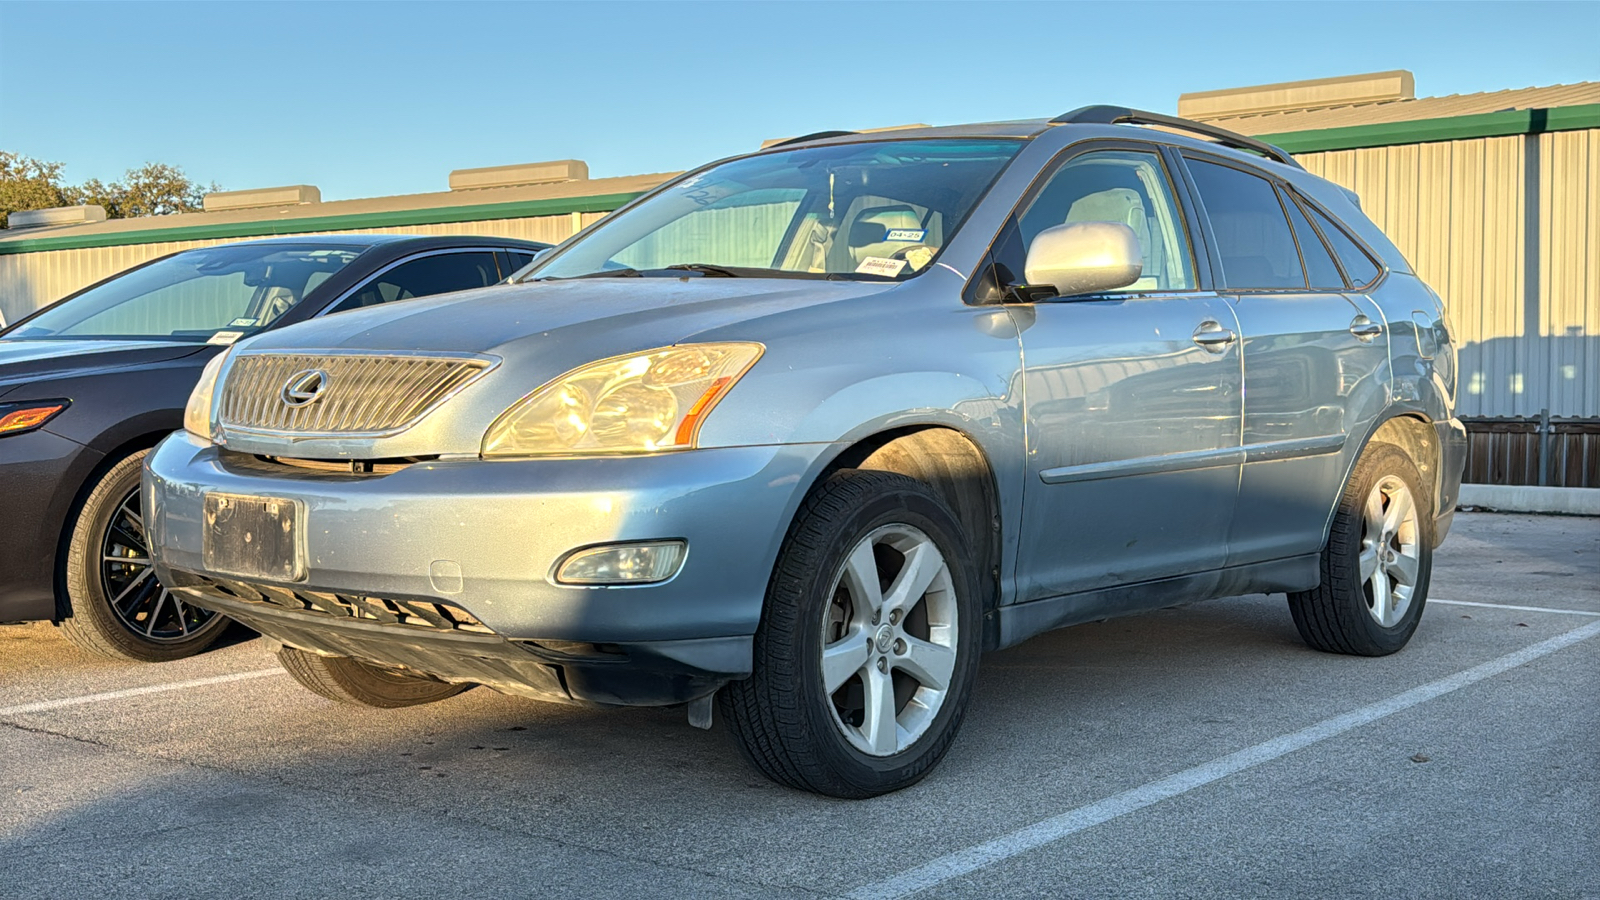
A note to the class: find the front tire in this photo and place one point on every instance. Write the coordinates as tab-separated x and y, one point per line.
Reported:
868	644
1376	564
363	684
118	608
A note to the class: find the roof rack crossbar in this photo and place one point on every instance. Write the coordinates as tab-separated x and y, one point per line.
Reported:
1118	115
813	136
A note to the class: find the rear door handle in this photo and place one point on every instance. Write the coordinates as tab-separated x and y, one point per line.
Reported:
1364	328
1213	337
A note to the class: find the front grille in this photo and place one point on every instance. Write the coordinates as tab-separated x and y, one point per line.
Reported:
360	394
382	610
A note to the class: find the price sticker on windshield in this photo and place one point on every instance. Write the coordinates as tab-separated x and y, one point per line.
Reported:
877	265
225	337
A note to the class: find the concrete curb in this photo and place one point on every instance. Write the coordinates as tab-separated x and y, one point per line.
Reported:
1508	498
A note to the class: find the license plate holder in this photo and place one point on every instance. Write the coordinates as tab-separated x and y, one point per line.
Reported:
254	537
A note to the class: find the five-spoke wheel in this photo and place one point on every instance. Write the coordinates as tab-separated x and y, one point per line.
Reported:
868	643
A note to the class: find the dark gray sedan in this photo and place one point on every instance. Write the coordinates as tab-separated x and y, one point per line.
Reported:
89	384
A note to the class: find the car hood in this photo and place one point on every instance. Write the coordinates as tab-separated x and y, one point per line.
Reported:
28	361
536	332
495	319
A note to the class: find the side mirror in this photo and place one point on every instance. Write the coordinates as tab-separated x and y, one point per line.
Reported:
1084	257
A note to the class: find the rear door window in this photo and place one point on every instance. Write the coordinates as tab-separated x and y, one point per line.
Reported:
1252	232
437	274
1357	264
1320	267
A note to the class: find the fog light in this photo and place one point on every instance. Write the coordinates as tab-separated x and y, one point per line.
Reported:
643	563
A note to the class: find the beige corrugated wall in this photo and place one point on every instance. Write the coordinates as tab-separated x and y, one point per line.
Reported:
1456	210
31	280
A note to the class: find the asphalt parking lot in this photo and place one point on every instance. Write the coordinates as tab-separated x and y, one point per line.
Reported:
1194	752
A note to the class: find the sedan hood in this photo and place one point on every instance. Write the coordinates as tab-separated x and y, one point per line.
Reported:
28	361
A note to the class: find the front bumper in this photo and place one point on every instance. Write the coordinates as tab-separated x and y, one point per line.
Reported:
483	537
1452	463
39	477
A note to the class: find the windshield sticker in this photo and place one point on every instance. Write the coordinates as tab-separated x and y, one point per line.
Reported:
242	323
877	265
225	337
911	235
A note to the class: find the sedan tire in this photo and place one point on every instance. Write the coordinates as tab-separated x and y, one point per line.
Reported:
118	608
868	644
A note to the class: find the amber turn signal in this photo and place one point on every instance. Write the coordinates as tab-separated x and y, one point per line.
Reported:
16	418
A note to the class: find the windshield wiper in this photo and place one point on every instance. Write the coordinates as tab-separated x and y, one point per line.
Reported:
706	269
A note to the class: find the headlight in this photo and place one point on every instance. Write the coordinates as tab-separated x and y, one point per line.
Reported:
197	415
643	403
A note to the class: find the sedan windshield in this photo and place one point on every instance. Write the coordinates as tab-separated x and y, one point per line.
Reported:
870	211
194	295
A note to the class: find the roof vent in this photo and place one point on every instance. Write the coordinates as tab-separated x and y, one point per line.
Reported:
553	172
1319	93
292	195
60	215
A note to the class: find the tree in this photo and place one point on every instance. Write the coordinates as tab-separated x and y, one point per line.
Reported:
154	189
27	183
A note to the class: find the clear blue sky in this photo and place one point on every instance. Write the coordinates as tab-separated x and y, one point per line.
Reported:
367	99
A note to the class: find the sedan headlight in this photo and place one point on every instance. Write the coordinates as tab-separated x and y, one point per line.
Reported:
641	403
197	415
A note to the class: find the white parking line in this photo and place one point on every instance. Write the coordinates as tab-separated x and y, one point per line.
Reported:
43	705
1544	609
961	862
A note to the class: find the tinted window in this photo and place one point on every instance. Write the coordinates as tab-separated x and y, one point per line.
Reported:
1123	186
517	260
437	274
1319	262
1252	234
1360	267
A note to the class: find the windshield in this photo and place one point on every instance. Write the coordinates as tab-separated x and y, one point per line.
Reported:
218	292
862	211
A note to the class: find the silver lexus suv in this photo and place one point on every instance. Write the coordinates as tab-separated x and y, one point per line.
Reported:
798	435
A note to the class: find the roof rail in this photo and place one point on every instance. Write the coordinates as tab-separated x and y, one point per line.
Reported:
1118	115
813	136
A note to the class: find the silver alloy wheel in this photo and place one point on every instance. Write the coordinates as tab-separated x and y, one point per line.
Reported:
1390	553
141	603
889	645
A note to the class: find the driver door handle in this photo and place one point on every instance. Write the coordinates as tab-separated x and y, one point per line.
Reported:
1213	336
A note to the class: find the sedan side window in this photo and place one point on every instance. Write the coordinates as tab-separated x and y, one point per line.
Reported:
1250	228
437	274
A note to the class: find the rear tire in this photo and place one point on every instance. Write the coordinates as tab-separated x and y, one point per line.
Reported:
363	684
1376	564
117	607
868	644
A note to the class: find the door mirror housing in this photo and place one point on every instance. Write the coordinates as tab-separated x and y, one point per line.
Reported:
1084	258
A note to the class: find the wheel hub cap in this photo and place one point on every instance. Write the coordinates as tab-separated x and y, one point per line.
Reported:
1391	553
889	640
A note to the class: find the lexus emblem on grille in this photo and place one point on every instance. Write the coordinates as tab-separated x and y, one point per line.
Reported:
304	387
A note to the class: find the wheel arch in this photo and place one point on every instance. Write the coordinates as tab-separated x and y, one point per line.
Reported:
955	466
1414	433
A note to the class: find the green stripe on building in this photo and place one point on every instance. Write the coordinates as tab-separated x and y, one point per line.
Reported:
1453	128
439	215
